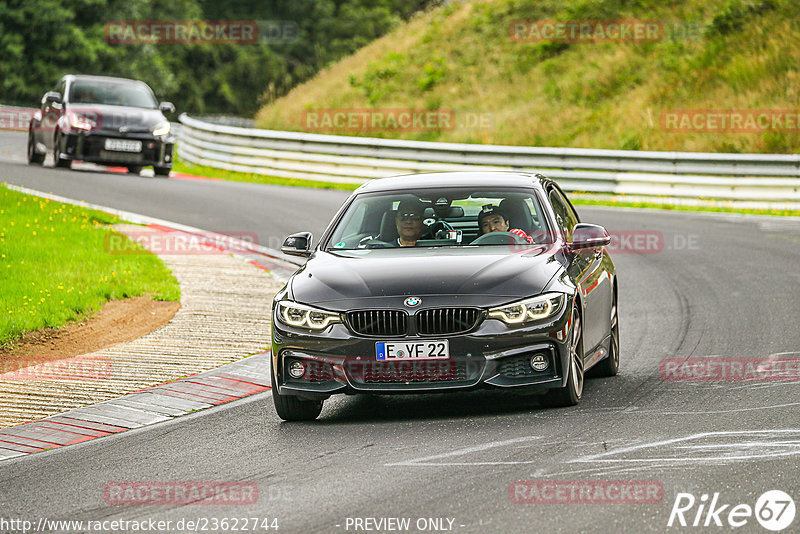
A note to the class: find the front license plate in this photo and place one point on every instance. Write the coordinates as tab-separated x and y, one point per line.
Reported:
123	145
415	350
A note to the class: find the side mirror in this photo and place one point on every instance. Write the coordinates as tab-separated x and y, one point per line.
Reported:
52	97
298	244
167	107
586	235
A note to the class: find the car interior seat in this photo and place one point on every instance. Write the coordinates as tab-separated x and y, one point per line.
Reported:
388	227
519	216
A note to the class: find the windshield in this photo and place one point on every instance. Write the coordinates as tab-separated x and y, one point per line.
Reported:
112	94
451	217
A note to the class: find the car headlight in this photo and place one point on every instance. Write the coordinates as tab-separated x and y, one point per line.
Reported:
530	309
300	315
162	128
80	121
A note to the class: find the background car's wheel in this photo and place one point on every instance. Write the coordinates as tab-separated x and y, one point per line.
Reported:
34	158
609	366
60	163
134	169
570	394
291	408
162	171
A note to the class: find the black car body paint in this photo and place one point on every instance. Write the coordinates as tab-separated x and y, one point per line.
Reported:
453	291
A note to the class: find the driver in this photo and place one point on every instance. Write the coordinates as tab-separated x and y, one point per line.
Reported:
409	222
491	219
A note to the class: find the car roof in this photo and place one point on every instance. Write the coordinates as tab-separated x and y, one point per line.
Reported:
455	179
89	77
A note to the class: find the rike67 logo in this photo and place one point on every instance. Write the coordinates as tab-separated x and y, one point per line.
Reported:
774	510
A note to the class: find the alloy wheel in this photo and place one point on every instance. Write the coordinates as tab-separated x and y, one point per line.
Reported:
576	358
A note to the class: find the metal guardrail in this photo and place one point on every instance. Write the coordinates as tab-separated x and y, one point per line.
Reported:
227	120
773	178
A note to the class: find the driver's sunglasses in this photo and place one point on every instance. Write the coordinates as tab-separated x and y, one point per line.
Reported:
409	217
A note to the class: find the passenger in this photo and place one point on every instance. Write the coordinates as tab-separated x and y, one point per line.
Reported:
409	222
491	219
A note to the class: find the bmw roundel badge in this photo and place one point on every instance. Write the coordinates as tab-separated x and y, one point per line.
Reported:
412	301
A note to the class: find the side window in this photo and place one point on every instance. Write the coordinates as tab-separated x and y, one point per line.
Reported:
570	209
565	217
537	217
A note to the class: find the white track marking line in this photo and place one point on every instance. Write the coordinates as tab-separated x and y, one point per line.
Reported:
744	445
468	450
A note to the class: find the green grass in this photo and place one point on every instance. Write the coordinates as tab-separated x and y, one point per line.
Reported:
714	55
223	174
54	266
460	58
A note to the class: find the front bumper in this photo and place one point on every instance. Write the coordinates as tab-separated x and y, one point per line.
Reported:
90	146
493	355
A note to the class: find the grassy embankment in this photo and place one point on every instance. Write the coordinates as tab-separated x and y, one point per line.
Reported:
55	267
714	55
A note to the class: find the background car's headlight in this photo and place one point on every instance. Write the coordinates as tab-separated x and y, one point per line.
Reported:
531	309
300	315
162	128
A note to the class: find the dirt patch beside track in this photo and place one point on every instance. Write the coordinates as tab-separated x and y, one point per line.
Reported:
119	321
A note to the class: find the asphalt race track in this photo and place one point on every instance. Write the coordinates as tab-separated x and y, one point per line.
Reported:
705	285
271	213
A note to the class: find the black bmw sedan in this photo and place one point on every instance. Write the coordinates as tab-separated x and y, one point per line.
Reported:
100	119
443	282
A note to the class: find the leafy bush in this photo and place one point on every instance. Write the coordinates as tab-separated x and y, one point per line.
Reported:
46	39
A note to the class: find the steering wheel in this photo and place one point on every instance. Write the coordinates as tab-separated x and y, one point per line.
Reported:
499	238
439	229
371	242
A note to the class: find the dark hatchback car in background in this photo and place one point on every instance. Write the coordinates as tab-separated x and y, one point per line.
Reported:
461	309
105	120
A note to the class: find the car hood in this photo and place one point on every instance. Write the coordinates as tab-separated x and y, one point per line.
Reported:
112	118
479	276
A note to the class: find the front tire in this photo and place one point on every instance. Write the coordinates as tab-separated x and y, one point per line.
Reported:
134	169
162	171
291	408
34	158
60	163
571	394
